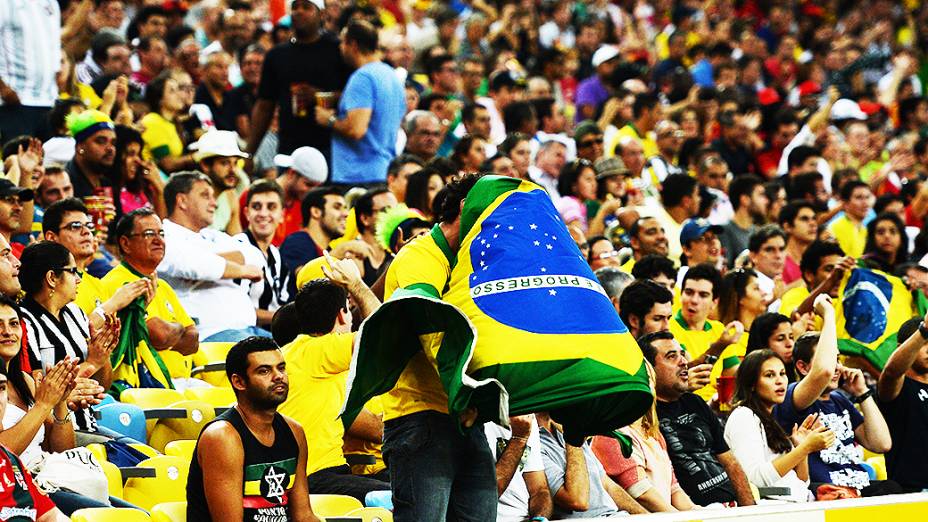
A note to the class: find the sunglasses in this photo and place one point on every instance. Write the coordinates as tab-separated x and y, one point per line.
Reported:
72	269
76	226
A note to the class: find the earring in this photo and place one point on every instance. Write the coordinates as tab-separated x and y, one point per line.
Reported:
80	151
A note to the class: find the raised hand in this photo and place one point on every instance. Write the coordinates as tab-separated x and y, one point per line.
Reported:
342	272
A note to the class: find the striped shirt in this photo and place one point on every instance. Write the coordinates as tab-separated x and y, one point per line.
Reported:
30	49
66	335
272	293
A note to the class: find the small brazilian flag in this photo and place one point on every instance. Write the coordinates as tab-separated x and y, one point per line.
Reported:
871	307
523	319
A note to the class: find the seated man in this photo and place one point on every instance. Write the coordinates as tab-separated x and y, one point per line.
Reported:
520	472
816	360
202	264
902	389
318	361
705	466
579	485
141	244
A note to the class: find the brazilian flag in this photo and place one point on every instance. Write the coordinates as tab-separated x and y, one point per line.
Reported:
871	307
523	321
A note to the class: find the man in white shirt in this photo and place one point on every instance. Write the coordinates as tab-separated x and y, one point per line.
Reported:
202	265
520	472
551	157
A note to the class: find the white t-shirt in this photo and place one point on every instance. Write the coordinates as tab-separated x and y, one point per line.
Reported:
513	503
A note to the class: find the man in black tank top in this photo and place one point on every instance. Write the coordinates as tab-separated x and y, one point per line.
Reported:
250	462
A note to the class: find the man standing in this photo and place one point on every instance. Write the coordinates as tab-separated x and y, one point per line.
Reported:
369	113
264	214
704	465
324	215
293	73
29	60
592	92
202	264
249	462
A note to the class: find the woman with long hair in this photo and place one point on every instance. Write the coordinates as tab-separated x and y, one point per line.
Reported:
138	181
577	186
887	245
742	300
421	188
163	142
647	474
774	332
517	146
769	456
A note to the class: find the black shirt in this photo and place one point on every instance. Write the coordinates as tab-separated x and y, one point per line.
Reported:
239	101
82	185
266	473
694	439
220	118
907	418
319	66
739	159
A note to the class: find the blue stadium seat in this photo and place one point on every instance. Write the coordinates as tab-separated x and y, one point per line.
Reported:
127	419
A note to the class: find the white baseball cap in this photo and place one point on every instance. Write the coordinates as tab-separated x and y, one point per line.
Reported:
307	161
845	109
604	54
318	3
217	143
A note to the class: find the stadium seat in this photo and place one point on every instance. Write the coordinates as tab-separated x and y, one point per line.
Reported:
878	463
146	449
181	448
195	416
372	514
219	397
107	399
113	478
150	398
209	363
109	515
334	505
179	366
169	512
168	485
125	419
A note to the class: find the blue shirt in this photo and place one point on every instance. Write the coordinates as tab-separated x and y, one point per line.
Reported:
839	464
374	86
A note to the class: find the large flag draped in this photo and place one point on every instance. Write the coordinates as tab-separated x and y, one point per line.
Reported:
522	311
871	307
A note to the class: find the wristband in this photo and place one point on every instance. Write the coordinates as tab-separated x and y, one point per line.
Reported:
863	396
99	311
65	420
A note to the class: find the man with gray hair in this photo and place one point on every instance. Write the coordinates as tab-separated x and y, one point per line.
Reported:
614	282
549	161
423	134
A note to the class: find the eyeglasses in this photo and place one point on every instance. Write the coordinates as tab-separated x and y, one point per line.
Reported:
76	226
607	255
148	234
72	269
589	143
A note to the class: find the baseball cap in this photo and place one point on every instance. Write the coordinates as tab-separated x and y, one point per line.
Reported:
318	3
505	78
695	228
768	96
809	87
585	128
604	54
87	123
217	143
307	161
845	109
608	167
8	188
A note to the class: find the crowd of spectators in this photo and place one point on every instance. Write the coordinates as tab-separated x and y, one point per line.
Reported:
179	171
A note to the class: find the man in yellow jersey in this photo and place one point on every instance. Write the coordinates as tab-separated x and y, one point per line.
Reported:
849	229
822	266
66	222
646	236
437	469
318	361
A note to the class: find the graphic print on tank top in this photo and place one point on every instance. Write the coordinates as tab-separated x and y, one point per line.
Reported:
265	490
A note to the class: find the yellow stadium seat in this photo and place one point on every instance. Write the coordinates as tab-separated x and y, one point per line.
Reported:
181	448
169	512
198	413
149	398
146	449
372	514
219	397
210	353
113	478
109	515
879	465
168	485
179	366
99	451
334	505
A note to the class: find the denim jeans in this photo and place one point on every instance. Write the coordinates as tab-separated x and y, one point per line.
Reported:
234	336
436	472
68	502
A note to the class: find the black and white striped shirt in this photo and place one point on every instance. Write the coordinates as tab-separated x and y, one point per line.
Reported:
67	336
272	293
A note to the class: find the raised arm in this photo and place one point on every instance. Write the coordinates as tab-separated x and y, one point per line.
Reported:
507	463
890	384
824	362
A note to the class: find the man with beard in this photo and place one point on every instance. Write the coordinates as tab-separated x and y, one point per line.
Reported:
324	215
292	75
217	151
319	360
95	139
251	448
749	201
646	236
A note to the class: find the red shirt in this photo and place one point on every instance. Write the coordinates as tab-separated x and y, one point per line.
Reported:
19	498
